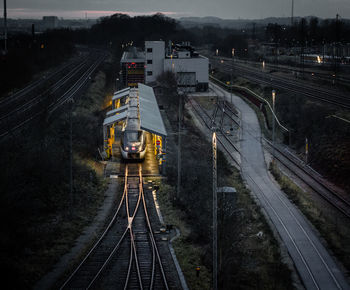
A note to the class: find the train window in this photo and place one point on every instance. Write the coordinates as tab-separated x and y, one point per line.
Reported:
149	61
149	49
132	136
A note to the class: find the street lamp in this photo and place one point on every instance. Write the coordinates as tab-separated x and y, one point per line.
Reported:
231	85
215	205
273	122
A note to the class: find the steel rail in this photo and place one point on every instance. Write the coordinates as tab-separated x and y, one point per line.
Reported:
27	89
113	220
304	85
29	104
218	136
76	87
283	68
131	215
332	194
132	240
328	97
61	100
153	241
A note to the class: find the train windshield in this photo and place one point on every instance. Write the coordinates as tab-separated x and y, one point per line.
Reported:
133	136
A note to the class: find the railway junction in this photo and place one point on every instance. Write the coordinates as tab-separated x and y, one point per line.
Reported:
135	243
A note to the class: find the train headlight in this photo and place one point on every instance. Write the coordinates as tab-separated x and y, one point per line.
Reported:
126	148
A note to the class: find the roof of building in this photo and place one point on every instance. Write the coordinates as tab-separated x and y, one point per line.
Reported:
116	111
150	117
133	55
115	118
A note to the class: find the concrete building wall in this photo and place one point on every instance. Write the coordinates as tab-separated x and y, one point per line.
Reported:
198	65
155	54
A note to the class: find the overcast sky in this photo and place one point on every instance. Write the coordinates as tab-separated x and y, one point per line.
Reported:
229	9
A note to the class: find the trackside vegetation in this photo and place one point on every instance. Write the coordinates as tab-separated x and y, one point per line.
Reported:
38	222
249	255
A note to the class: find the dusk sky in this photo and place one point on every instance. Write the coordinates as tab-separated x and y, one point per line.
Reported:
229	9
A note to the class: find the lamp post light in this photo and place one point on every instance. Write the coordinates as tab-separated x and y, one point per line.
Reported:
179	149
273	123
215	207
233	60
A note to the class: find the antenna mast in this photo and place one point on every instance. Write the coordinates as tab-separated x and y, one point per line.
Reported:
5	26
292	17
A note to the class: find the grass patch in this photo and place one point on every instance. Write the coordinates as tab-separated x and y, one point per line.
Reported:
187	253
335	232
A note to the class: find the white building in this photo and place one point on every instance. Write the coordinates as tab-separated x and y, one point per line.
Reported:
191	69
154	62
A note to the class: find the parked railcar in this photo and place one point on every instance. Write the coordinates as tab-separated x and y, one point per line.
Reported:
133	139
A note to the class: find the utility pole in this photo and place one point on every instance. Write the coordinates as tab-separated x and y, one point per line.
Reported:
233	60
71	101
273	123
292	17
215	208
179	149
5	27
231	86
336	47
306	150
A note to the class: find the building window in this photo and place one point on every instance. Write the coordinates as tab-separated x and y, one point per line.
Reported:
149	49
149	73
149	61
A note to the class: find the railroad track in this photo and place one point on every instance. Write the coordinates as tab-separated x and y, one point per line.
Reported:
326	96
313	182
320	188
25	109
31	88
126	256
209	122
317	74
312	261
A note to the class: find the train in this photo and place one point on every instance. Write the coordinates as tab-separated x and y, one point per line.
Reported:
133	138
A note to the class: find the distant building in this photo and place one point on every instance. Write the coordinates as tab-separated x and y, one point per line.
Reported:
50	22
133	67
191	69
